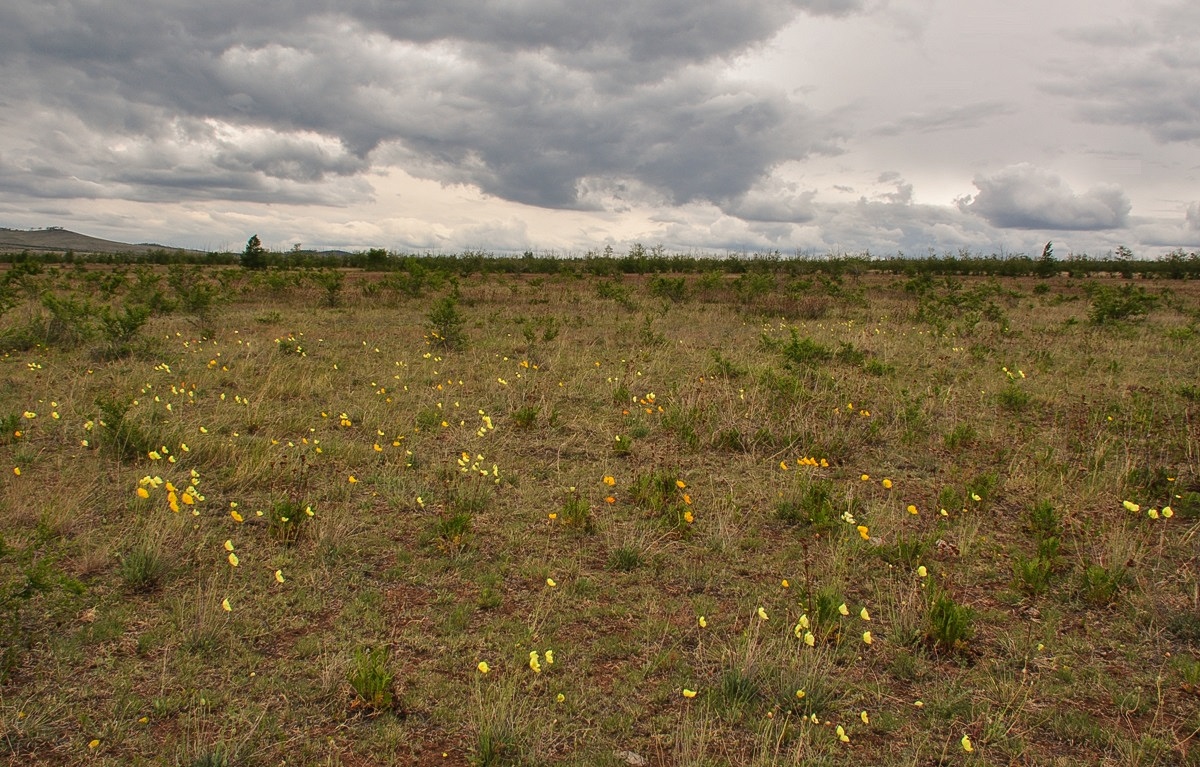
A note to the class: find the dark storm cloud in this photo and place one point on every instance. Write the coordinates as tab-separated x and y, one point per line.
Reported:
1025	197
528	101
1146	76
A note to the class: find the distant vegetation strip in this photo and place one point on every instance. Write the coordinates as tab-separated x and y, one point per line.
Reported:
1177	264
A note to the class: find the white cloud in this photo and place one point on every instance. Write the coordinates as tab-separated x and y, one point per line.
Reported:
1025	197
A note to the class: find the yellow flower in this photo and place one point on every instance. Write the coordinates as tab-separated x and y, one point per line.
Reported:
809	639
864	614
549	657
550	582
533	662
173	501
560	698
94	743
864	533
236	517
233	559
800	693
783	465
229	545
483	667
1168	512
865	719
226	606
803	621
609	480
689	517
352	479
887	483
703	622
841	733
922	572
143	493
679	483
762	614
867	637
1152	513
688	693
785	583
17	470
966	744
843	610
866	478
912	509
1131	506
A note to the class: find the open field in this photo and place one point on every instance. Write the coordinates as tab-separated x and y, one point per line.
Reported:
830	519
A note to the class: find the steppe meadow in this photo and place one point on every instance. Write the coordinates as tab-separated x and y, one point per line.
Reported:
786	513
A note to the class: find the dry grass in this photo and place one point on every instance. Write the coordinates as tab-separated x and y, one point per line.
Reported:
439	520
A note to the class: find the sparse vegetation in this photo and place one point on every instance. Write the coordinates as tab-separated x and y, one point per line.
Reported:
697	513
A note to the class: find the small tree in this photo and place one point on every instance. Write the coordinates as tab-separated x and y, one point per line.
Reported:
1047	266
254	256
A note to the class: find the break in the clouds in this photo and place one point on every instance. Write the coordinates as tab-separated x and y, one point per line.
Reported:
780	124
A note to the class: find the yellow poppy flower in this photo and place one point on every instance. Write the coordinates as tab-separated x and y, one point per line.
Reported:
762	614
703	622
534	663
887	483
226	606
865	719
841	733
843	610
279	576
864	614
143	493
483	667
867	637
689	693
966	744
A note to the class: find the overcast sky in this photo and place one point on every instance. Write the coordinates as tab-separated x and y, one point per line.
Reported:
710	125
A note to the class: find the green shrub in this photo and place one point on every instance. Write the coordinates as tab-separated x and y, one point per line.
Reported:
447	323
1130	302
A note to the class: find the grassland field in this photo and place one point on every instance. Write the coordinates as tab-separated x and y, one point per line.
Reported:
342	518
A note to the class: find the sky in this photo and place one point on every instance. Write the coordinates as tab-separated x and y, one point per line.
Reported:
710	126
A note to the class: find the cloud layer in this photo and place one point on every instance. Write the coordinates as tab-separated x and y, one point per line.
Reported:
1025	197
543	122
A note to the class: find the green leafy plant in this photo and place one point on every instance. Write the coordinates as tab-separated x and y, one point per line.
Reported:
288	519
371	679
948	625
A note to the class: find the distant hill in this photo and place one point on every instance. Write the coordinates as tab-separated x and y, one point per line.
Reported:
61	240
